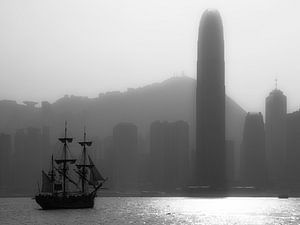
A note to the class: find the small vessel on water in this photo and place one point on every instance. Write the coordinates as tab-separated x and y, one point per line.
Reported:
283	196
56	194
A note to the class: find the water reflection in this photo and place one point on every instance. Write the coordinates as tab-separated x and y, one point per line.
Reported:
234	210
158	211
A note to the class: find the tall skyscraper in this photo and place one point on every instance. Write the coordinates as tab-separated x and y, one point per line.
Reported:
253	161
276	136
210	102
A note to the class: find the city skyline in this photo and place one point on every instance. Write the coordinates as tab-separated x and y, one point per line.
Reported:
150	112
40	51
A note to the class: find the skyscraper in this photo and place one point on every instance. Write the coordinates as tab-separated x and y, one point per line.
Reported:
210	102
253	161
276	135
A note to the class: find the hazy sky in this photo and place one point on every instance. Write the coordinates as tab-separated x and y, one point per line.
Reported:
57	47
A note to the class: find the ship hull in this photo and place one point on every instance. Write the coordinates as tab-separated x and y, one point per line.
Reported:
65	202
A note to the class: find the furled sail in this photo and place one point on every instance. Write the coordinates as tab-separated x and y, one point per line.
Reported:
95	175
65	140
79	166
59	161
83	143
46	183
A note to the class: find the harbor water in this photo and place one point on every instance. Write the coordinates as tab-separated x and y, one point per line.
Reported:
157	210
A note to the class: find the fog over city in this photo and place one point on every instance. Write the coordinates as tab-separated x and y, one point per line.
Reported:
150	112
52	48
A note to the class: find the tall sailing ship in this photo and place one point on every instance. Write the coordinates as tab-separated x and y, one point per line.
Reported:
56	192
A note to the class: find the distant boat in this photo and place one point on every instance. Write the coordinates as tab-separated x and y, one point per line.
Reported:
56	192
283	196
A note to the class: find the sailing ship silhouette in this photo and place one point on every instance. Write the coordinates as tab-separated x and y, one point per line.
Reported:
55	193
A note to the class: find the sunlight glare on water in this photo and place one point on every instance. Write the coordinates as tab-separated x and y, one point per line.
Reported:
233	210
133	210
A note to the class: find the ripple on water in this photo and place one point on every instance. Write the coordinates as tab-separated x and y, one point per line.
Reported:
254	211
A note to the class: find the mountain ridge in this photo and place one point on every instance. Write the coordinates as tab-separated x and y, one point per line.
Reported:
170	100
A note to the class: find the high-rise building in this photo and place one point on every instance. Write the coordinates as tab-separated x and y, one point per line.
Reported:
33	157
46	150
5	159
46	113
108	163
19	166
158	141
169	154
293	148
230	162
144	169
28	159
125	147
180	136
253	161
276	136
210	102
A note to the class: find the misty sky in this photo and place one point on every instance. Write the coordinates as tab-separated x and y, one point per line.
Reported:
52	48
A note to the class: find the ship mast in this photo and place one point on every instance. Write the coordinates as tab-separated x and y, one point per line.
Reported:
65	160
84	160
52	173
65	140
83	166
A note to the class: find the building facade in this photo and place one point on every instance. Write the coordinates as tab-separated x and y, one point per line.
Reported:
169	155
210	102
293	149
5	161
253	161
276	136
125	140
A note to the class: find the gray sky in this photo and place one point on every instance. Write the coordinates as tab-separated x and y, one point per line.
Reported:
57	47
